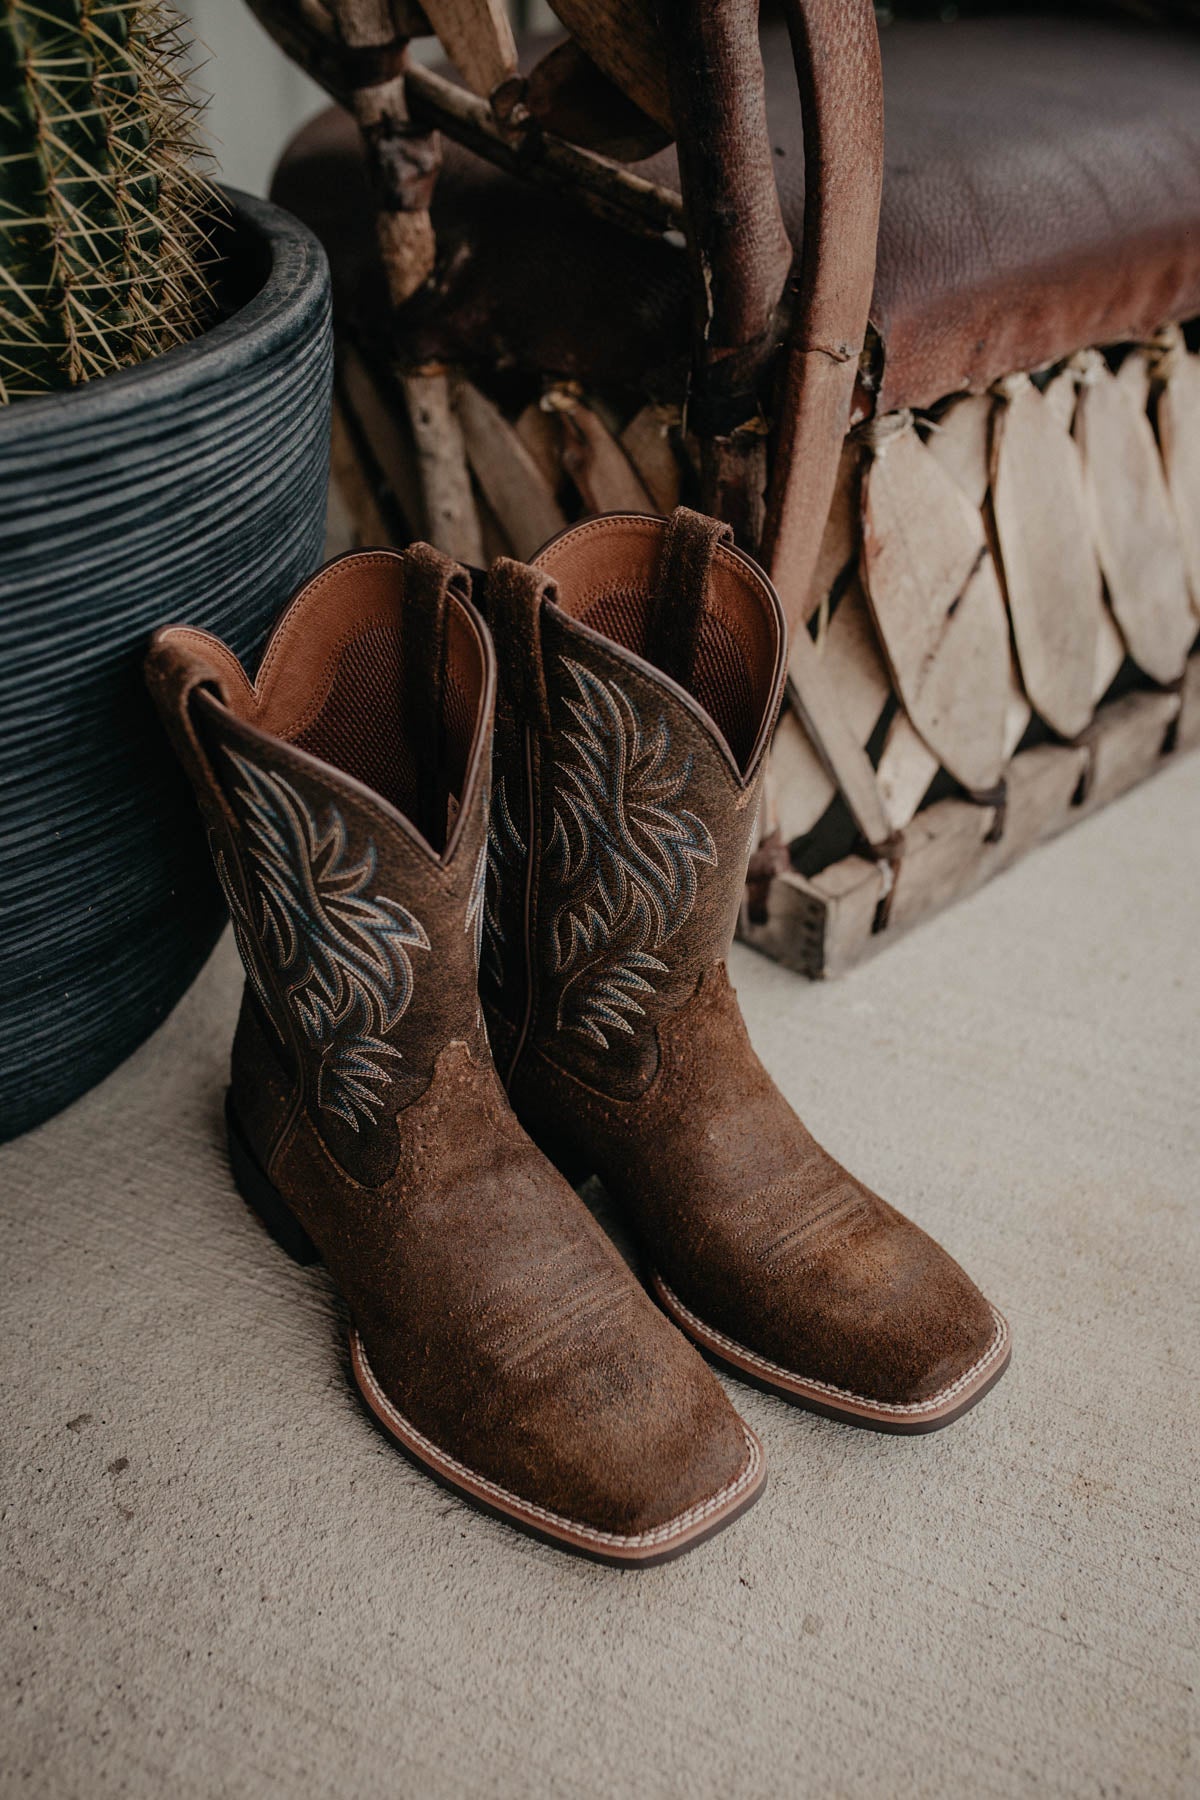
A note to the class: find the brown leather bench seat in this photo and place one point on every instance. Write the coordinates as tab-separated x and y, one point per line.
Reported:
1041	194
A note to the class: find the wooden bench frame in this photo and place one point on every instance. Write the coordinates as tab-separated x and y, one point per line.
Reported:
766	442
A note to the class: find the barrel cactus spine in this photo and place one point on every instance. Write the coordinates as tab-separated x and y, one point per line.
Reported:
104	210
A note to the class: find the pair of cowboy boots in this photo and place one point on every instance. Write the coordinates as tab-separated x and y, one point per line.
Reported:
479	967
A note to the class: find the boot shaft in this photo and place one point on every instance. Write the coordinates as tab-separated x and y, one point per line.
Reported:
641	667
345	793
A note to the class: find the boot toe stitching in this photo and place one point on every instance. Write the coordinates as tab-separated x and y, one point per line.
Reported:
460	1474
997	1347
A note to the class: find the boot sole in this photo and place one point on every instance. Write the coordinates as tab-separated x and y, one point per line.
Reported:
641	1550
910	1419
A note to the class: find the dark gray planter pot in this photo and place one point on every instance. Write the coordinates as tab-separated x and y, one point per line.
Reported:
191	489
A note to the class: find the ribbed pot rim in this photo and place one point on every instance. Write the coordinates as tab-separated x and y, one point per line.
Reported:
275	313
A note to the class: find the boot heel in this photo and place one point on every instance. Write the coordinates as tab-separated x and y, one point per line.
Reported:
267	1204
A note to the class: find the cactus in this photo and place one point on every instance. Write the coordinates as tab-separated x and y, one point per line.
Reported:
103	212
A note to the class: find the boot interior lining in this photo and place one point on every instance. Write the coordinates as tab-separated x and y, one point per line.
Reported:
721	679
361	726
606	579
333	684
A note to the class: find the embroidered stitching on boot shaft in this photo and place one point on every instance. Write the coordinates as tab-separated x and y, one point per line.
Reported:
340	952
624	855
505	852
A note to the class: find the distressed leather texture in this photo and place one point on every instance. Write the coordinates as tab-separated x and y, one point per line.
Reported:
634	1062
497	1317
756	1228
1041	194
633	806
356	922
645	834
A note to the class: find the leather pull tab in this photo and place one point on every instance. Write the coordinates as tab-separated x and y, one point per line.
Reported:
515	593
430	578
680	585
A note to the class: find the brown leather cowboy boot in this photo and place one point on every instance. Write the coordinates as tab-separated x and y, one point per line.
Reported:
497	1335
641	666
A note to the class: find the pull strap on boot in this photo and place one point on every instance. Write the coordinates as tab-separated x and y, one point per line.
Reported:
680	587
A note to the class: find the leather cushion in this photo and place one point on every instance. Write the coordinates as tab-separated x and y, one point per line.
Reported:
1041	194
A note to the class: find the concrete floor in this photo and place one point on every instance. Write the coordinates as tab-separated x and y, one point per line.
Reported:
218	1580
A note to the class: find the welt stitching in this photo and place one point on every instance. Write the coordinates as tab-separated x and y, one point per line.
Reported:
661	1534
998	1339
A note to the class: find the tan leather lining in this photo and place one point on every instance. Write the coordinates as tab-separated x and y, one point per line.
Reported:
606	571
331	683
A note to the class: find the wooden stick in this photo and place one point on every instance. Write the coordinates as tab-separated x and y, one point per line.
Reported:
569	95
835	744
512	482
1047	558
355	489
840	539
906	769
477	37
305	33
1177	420
738	244
855	686
1133	520
621	38
540	431
802	785
936	602
738	249
379	416
960	439
592	457
733	479
602	187
836	50
648	442
450	516
403	160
